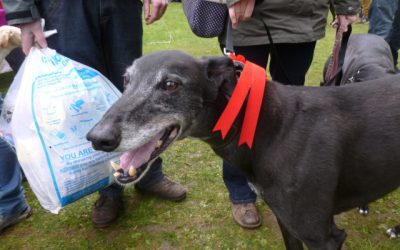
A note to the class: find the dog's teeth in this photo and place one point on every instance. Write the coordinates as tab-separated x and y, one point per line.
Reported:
159	143
117	174
115	166
132	171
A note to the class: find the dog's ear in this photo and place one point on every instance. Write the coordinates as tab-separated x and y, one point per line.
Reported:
221	71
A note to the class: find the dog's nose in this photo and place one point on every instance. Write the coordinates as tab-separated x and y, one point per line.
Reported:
104	138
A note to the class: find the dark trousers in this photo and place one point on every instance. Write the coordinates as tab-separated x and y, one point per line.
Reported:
290	66
394	38
103	34
15	59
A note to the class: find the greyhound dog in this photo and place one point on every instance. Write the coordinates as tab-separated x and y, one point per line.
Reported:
367	57
317	152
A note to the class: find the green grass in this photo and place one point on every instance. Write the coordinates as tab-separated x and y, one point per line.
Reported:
203	220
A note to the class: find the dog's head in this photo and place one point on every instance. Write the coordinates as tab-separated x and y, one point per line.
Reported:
168	95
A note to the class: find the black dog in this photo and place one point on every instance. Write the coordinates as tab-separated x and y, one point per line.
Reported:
367	57
317	151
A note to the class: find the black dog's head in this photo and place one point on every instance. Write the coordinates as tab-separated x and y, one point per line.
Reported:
168	95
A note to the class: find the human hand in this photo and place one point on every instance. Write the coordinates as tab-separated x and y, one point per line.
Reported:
241	10
31	35
344	21
154	12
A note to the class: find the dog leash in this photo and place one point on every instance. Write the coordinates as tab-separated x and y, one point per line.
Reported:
274	51
229	49
333	74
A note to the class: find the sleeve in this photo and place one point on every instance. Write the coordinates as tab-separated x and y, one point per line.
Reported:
20	11
347	7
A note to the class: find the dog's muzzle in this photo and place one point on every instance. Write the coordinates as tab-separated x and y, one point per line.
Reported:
134	163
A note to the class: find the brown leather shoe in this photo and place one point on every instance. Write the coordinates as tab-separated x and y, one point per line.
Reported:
106	210
246	215
166	189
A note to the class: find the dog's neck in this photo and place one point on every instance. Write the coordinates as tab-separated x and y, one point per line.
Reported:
228	148
214	139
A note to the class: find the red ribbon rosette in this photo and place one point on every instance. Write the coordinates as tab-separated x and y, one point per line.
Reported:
252	83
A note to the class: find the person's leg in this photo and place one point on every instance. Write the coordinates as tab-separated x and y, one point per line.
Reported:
85	28
292	63
394	38
236	182
257	54
78	30
79	37
381	17
122	35
120	49
15	59
13	205
242	197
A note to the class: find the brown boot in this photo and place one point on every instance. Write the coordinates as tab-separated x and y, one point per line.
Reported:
106	210
246	215
166	189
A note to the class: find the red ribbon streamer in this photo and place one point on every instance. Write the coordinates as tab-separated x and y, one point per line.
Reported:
253	79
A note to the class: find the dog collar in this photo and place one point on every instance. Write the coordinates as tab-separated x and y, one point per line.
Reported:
252	83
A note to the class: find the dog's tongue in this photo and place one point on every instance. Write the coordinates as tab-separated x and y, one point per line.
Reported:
141	155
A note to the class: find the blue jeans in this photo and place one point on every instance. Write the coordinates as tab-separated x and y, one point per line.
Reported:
394	37
381	17
12	197
103	34
239	190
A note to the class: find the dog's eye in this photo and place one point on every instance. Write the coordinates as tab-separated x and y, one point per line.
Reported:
170	85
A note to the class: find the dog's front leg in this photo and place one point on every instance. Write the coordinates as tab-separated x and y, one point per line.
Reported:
291	242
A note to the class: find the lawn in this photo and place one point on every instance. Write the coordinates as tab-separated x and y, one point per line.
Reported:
203	220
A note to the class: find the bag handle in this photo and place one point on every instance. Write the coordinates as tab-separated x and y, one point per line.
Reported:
229	43
228	49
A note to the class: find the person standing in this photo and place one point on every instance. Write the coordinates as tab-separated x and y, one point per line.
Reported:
13	205
384	21
106	35
394	39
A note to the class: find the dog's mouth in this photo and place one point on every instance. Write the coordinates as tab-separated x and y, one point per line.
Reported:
135	163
